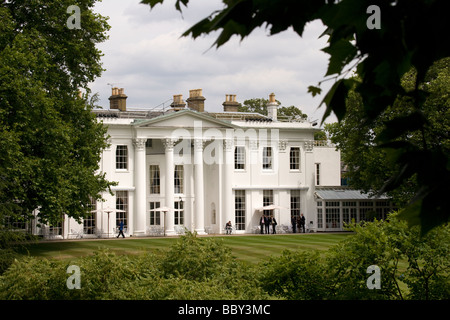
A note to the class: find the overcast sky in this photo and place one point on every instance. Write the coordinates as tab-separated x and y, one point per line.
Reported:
146	56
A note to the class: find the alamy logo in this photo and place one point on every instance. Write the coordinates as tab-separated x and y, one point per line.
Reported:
74	21
374	281
74	281
374	21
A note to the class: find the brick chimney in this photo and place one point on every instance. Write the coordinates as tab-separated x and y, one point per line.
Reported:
230	104
196	101
178	103
118	99
272	107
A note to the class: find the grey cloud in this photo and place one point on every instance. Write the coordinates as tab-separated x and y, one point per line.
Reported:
146	55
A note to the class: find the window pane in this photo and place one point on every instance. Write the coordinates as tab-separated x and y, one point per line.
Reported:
267	200
295	158
155	216
179	213
239	209
267	158
318	174
122	157
89	221
295	203
122	204
178	176
155	181
239	158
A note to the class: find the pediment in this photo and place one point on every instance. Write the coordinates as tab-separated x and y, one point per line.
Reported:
185	119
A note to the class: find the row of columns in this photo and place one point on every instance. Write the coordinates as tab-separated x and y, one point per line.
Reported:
199	212
198	216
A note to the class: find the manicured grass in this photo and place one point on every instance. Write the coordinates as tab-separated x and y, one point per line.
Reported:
250	248
255	248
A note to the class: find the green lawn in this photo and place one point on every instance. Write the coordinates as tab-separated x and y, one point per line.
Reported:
250	248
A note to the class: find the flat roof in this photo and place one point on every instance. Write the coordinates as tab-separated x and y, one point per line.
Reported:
345	194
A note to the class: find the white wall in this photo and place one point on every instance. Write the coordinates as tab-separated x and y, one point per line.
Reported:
330	165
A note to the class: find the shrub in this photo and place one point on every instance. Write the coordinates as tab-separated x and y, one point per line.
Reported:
197	258
347	263
411	266
203	269
298	275
12	242
33	279
390	245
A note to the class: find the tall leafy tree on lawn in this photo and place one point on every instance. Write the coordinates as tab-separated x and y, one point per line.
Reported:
50	143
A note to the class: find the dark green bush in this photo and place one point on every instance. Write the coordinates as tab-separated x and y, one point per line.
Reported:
298	275
203	269
412	267
11	243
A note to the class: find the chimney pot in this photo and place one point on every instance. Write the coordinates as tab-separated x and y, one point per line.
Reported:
272	97
178	103
118	99
196	101
272	107
230	104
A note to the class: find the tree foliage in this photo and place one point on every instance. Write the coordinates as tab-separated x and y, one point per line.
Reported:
411	266
50	143
369	167
408	37
259	105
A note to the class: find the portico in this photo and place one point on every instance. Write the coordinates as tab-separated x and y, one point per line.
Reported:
181	164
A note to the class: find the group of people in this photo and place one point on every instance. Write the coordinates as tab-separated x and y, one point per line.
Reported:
298	222
265	222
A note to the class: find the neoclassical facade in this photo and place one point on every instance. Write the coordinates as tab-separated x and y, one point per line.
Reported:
188	168
204	169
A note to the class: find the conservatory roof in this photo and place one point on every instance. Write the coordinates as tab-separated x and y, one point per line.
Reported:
344	194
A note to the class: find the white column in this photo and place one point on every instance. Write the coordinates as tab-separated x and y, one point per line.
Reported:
140	187
199	215
169	189
310	212
227	214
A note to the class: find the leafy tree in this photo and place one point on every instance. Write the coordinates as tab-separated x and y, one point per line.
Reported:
291	113
382	54
50	143
259	105
320	135
369	167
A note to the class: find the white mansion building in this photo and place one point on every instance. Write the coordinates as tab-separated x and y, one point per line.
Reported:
188	168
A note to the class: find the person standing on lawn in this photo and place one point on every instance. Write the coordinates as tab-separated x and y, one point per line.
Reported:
274	224
267	224
302	222
261	223
294	224
121	229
